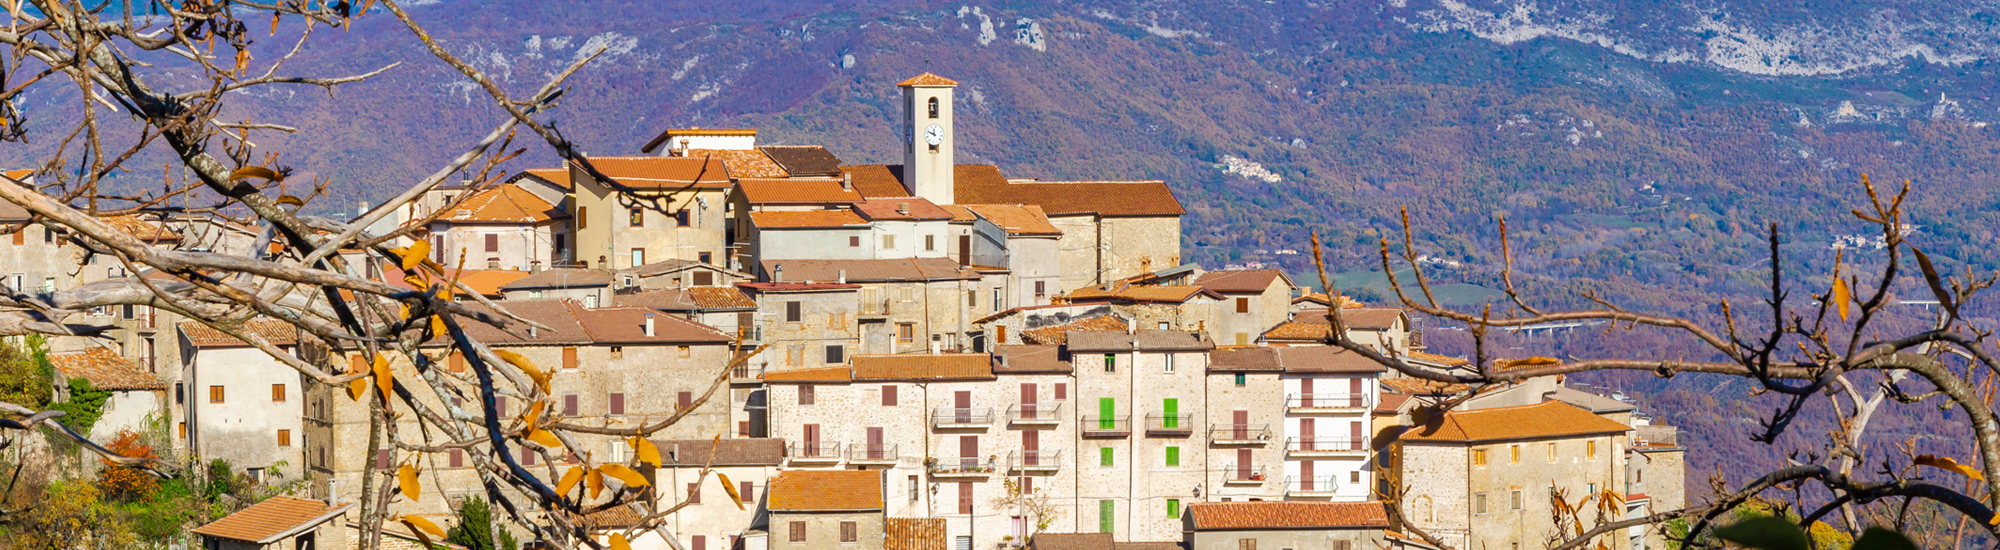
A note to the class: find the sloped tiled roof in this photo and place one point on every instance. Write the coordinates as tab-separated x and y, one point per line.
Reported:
803	160
796	287
825	491
924	366
763	451
627	325
1321	299
1016	219
892	208
671	265
264	521
959	213
928	79
203	336
808	219
562	330
915	534
1312	324
877	180
1390	403
837	373
795	191
1143	339
558	177
487	282
1332	359
507	203
105	369
1059	334
984	184
561	278
1445	360
686	299
664	173
1541	420
1230	516
742	163
1023	359
868	271
1419	386
142	229
1244	359
1241	281
1140	293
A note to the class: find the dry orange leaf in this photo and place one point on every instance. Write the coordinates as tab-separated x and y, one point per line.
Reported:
256	172
437	326
541	378
1841	297
730	488
544	438
624	474
594	480
1947	463
569	480
415	254
533	414
618	542
645	450
358	387
422	528
384	379
406	478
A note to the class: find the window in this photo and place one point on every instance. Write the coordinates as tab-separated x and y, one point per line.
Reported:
569	405
215	394
792	313
1552	452
1041	289
492	242
457	458
703	278
569	360
638	216
854	241
284	438
1517	499
930	242
798	531
617	400
1590	450
683	400
934	107
1514	454
582	217
1000	334
681	218
746	490
694	493
1593	490
806	394
965	497
1479	503
683	351
1062	391
888	242
1246	544
1479	457
971	298
888	395
1173	457
1354	476
850	532
638	257
382	457
184	430
836	354
906	333
617	352
699	542
1110	362
277	393
1242	305
1168	362
1173	508
1105	515
1106	457
914	484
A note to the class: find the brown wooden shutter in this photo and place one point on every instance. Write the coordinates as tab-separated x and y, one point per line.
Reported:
21	237
704	278
744	489
965	497
849	532
694	493
888	395
500	404
569	405
806	394
569	358
457	458
700	542
492	242
1062	391
792	312
527	456
798	529
617	403
1240	425
456	363
1242	305
684	400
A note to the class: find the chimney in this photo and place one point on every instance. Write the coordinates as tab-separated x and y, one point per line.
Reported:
846	181
903	208
649	324
1132	325
681	147
778	273
842	275
531	333
332	491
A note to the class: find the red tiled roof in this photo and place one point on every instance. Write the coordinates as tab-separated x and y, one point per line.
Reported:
1541	420
276	516
1059	334
203	336
1312	324
877	180
959	213
1016	219
742	163
105	369
142	229
1419	386
1391	403
796	287
507	203
825	491
803	160
1445	360
1019	359
486	282
892	209
983	184
686	299
837	373
943	366
928	79
1140	293
1230	516
664	173
795	191
1241	281
807	219
763	451
915	534
627	325
558	177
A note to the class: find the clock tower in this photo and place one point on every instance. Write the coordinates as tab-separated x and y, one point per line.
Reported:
927	139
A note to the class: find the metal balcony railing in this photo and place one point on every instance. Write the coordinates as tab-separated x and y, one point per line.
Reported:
1169	425
1035	413
961	417
745	373
1034	461
875	308
872	454
1240	434
813	451
1311	486
1324	445
960	467
1106	426
1326	402
1242	475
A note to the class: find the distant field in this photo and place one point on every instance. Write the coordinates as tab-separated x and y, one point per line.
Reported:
1365	283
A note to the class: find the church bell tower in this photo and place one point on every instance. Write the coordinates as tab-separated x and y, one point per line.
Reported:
927	139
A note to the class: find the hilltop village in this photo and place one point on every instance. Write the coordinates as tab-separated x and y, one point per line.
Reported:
945	356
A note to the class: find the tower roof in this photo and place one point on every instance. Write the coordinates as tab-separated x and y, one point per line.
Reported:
927	80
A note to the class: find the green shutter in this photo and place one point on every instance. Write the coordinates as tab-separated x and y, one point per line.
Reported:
1106	407
1110	363
1105	457
1241	379
1173	415
1173	456
1105	509
1173	508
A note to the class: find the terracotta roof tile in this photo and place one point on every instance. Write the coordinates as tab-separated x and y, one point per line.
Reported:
1142	339
105	369
1375	318
1321	299
1418	386
742	163
1391	403
1241	281
686	299
915	534
1023	359
562	330
795	191
984	184
894	208
1541	420
837	373
275	516
877	180
763	451
1139	293
507	203
1308	359
664	173
558	177
796	287
561	278
1244	359
627	325
803	160
1229	516
959	213
203	336
933	367
870	271
485	281
1444	360
825	491
616	517
671	265
808	219
928	79
1059	334
1016	219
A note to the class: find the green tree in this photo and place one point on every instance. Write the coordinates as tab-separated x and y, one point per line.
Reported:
83	407
26	377
70	514
474	529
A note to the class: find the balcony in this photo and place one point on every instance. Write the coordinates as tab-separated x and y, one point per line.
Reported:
1311	487
1169	425
1106	426
1316	447
953	418
1321	403
961	467
874	309
1243	475
743	374
1035	414
1239	435
813	452
872	454
1034	462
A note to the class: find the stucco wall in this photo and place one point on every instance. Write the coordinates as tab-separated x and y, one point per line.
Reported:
823	530
243	428
1286	538
520	247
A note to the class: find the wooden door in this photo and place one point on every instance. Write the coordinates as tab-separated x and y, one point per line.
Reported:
1306	393
1306	481
1239	424
1355	438
875	449
1306	434
968	451
1243	464
1031	447
965	255
811	447
961	403
1028	401
1355	396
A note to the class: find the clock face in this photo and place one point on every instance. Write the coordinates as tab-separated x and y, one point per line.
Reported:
934	135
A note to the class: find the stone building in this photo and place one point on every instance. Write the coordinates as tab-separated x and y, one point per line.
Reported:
1384	328
710	521
906	306
240	404
1279	525
501	227
1254	301
677	274
803	324
590	287
280	523
137	397
654	208
1487	478
826	509
1140	398
1020	240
